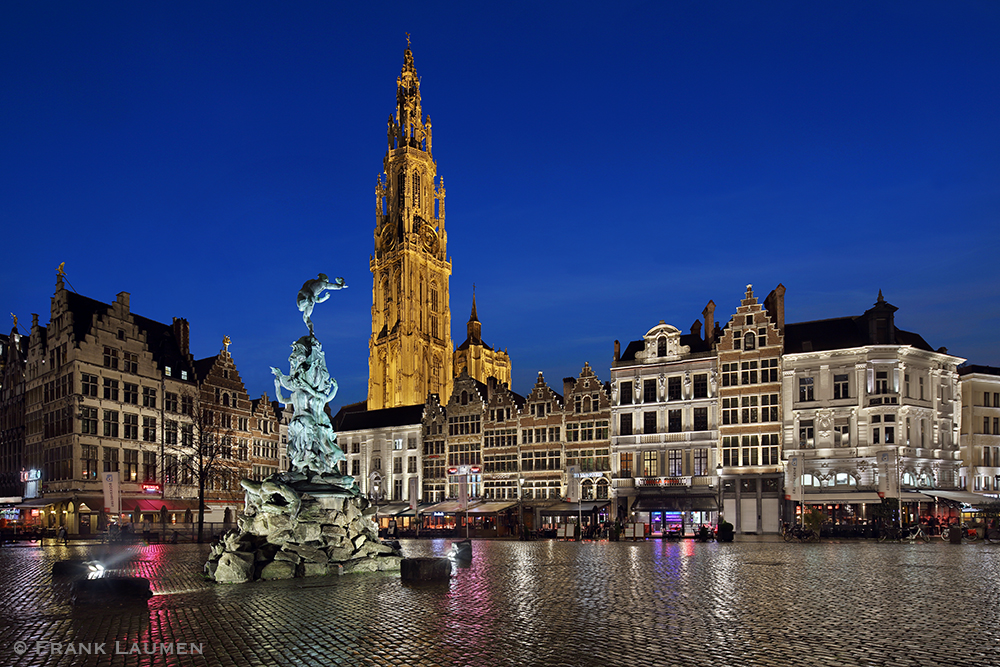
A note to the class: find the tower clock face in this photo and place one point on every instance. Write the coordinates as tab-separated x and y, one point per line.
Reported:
429	238
388	237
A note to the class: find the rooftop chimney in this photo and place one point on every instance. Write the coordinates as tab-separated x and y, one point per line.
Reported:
618	350
709	315
774	304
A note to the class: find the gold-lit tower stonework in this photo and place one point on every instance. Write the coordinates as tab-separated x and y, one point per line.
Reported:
410	350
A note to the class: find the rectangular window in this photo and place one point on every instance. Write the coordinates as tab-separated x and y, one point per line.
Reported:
149	466
806	389
88	420
649	422
920	384
626	393
769	408
148	397
88	462
356	468
625	464
749	410
675	463
111	459
131	362
701	419
701	385
840	387
769	370
624	425
806	434
673	389
89	384
748	372
110	425
730	375
131	425
130	467
674	421
130	393
650	464
730	411
397	465
701	461
110	357
149	429
110	389
649	391
881	382
170	432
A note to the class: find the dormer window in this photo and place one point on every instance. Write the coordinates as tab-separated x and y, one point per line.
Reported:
166	371
661	347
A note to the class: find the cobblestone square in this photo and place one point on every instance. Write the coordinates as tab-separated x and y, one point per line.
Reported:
752	602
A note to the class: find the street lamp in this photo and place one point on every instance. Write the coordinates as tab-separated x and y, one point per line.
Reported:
520	506
718	473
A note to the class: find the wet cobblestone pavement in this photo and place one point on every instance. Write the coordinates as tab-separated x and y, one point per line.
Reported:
549	603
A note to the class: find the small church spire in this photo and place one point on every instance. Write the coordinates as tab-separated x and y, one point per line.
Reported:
474	328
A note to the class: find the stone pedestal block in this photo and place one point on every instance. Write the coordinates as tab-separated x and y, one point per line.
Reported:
425	569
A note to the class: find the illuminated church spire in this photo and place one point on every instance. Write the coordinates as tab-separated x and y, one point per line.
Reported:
410	349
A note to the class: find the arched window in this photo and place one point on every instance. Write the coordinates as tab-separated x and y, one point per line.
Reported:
844	479
810	480
218	396
225	400
587	488
602	489
416	190
909	479
465	398
586	403
401	190
749	341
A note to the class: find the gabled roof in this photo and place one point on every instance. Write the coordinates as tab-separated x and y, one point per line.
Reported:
404	415
970	369
840	333
202	367
160	338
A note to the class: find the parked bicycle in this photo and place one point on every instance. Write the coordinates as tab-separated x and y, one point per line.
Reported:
800	533
967	532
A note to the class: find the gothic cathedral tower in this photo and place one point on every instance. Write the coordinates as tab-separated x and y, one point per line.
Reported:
410	350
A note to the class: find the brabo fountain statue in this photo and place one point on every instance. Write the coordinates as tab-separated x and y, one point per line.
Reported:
309	520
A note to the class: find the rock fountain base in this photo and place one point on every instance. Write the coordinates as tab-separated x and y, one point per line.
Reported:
294	526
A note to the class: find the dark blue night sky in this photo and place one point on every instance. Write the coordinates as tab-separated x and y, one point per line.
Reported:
606	166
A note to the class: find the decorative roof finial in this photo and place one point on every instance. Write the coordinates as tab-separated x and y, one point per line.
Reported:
60	270
407	40
881	299
227	341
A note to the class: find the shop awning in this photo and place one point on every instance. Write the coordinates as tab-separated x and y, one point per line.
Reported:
961	497
422	508
675	503
586	507
845	498
34	503
154	504
392	509
491	507
447	507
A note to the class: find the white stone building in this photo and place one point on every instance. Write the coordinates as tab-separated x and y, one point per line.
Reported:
980	436
866	404
664	428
